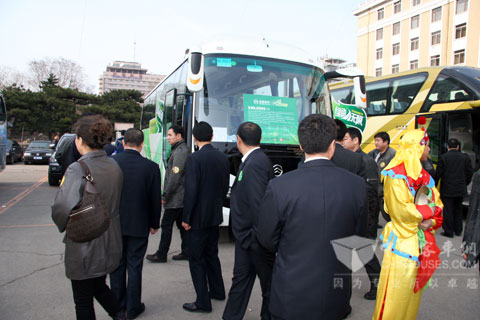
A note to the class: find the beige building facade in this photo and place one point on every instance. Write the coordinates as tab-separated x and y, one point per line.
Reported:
400	35
128	75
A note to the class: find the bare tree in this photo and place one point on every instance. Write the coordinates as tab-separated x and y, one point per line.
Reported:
69	73
10	76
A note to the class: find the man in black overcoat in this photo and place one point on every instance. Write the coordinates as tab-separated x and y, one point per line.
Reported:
251	259
207	176
302	212
140	209
455	171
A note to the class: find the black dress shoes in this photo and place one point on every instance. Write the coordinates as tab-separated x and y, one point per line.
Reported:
180	256
446	234
139	312
192	307
156	258
458	234
372	294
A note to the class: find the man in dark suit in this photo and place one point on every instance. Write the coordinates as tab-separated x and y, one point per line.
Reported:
344	158
140	208
206	185
455	171
251	259
302	212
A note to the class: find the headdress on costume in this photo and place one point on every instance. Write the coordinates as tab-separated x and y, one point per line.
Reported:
409	152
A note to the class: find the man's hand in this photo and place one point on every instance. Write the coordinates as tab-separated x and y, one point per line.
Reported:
153	231
186	226
425	224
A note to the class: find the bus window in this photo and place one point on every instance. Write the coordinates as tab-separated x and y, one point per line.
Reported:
377	93
404	91
446	89
148	113
344	95
435	136
179	110
460	127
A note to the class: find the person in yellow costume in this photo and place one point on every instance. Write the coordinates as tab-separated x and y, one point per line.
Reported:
410	255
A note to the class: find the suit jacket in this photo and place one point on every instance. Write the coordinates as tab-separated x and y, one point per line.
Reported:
140	205
348	160
207	176
455	170
247	193
301	213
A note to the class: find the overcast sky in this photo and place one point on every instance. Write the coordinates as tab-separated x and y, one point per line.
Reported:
94	33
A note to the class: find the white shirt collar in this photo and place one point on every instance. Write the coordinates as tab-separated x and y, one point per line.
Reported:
315	158
244	158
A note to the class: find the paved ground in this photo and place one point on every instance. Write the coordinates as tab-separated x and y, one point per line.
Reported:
33	284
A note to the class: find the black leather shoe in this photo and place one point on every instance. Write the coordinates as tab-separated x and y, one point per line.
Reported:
180	256
120	316
139	312
372	294
156	258
446	234
192	307
458	234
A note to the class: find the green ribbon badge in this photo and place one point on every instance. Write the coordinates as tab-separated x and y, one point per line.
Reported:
240	176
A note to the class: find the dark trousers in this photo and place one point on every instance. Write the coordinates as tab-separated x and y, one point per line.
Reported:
248	264
452	215
205	267
171	216
83	293
373	266
130	294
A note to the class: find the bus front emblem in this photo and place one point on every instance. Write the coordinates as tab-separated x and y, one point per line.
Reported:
277	170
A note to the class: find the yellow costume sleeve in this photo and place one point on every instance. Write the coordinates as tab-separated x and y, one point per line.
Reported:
399	205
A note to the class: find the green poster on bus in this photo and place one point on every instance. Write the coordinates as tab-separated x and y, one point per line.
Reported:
351	115
277	116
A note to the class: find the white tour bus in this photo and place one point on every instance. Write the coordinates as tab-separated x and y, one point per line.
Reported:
228	81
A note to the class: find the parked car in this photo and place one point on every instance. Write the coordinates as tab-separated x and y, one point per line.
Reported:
14	151
60	159
37	152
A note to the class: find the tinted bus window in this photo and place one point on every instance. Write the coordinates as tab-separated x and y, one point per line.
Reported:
404	91
377	93
446	89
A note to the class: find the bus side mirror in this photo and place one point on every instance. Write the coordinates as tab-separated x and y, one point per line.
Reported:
195	72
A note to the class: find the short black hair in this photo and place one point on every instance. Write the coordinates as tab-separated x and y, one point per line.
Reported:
341	129
316	132
177	130
251	133
133	137
453	143
355	133
383	135
203	131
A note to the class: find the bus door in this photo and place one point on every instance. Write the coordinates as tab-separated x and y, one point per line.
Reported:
168	120
435	127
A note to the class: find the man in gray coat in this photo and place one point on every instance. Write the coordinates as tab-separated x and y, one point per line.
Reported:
172	197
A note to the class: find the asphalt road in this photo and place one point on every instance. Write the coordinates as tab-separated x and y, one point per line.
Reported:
33	283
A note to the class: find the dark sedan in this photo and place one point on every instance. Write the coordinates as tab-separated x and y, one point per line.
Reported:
37	152
14	151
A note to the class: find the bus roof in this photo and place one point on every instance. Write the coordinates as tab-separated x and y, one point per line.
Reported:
255	47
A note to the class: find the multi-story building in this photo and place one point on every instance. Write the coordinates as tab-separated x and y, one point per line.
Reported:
399	35
128	75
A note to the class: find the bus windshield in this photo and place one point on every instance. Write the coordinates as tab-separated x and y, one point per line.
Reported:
275	94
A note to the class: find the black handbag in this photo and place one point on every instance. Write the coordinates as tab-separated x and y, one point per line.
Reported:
90	218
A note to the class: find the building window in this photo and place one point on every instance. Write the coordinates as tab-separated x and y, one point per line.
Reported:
460	31
380	14
415	22
437	14
415	3
396	28
436	36
395	68
395	49
379	34
413	64
397	7
413	44
462	6
379	53
378	72
459	56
